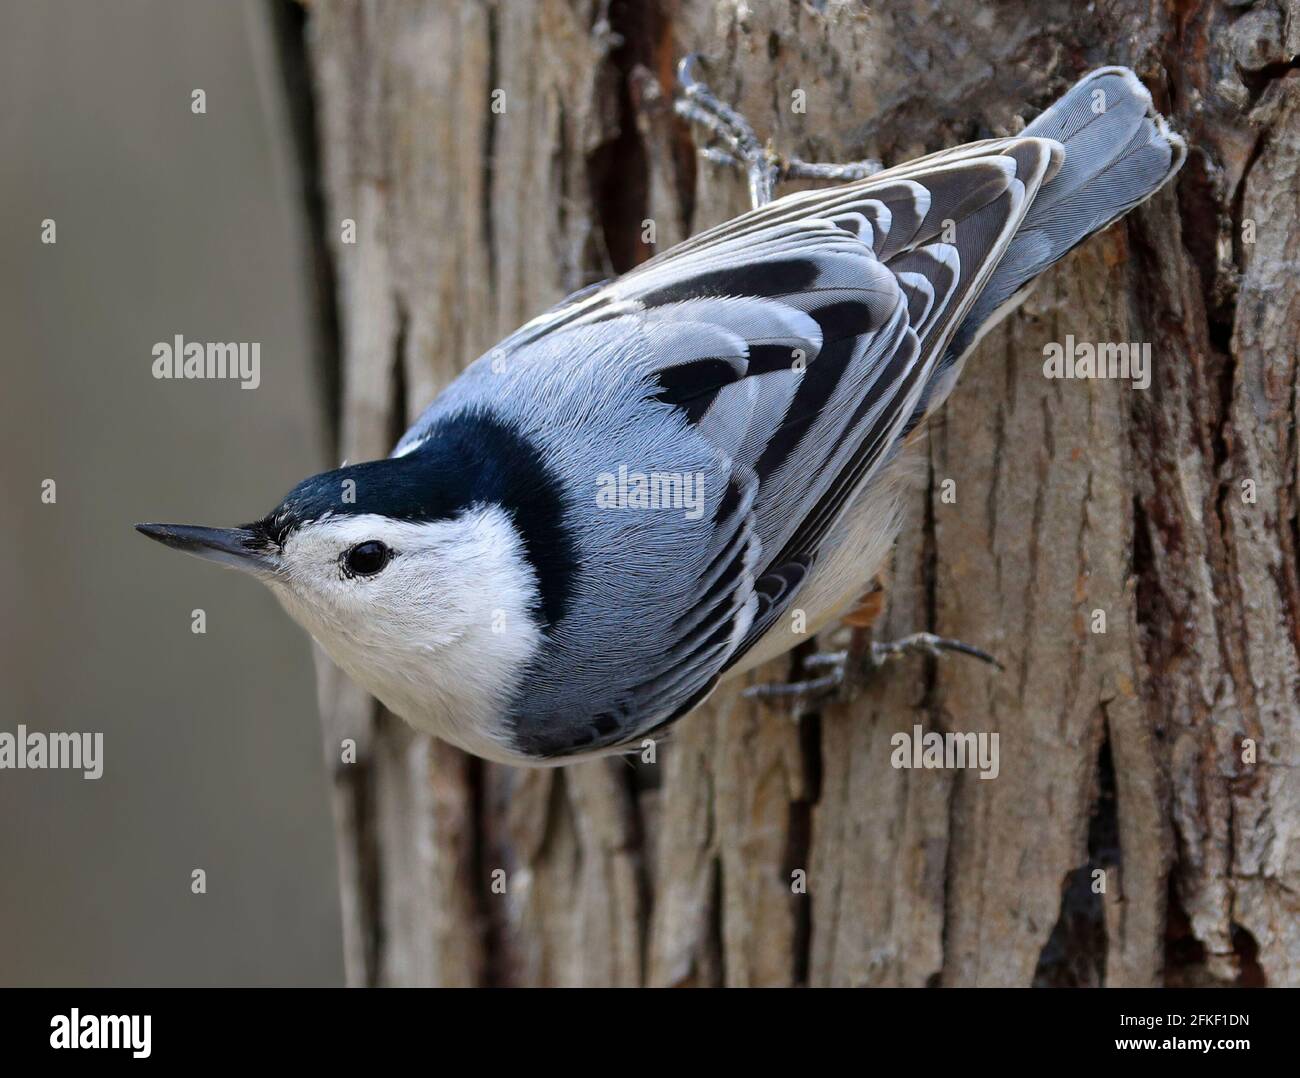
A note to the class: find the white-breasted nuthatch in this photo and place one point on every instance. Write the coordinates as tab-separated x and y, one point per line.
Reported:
493	581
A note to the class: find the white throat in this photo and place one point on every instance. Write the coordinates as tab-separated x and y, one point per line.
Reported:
441	636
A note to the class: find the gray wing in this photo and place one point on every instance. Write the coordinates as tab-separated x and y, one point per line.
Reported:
793	343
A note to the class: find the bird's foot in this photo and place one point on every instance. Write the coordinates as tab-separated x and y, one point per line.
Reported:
848	668
764	167
924	644
809	689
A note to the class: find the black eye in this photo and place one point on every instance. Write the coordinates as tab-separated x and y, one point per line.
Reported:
366	559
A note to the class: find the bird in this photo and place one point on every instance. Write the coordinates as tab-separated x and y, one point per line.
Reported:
676	475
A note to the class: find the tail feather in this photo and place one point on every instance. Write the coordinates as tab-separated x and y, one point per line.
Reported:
1118	152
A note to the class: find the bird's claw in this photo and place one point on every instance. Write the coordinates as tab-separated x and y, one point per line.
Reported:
840	668
816	688
764	167
925	644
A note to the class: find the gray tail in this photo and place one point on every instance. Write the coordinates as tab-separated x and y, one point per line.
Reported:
1118	152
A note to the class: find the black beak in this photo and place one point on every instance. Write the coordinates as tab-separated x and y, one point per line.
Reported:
240	548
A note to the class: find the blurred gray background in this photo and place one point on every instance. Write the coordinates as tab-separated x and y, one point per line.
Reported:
167	222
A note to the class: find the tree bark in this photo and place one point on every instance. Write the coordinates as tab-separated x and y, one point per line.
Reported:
1126	755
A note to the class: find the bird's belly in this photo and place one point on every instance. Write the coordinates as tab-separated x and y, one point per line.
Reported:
851	555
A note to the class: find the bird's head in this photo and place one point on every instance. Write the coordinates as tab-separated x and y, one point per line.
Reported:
418	587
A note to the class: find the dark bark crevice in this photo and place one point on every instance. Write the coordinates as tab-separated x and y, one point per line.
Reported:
1184	953
289	26
370	862
618	169
799	839
483	859
1259	80
1246	948
356	785
715	975
1075	953
637	778
398	402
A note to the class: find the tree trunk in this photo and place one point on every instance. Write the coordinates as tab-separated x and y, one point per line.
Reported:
1144	826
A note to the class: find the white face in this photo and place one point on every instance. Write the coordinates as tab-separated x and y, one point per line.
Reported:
433	618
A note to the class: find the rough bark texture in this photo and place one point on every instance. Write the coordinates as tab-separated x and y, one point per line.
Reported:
1120	751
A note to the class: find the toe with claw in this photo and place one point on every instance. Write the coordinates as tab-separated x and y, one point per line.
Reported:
764	167
925	644
814	688
842	666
